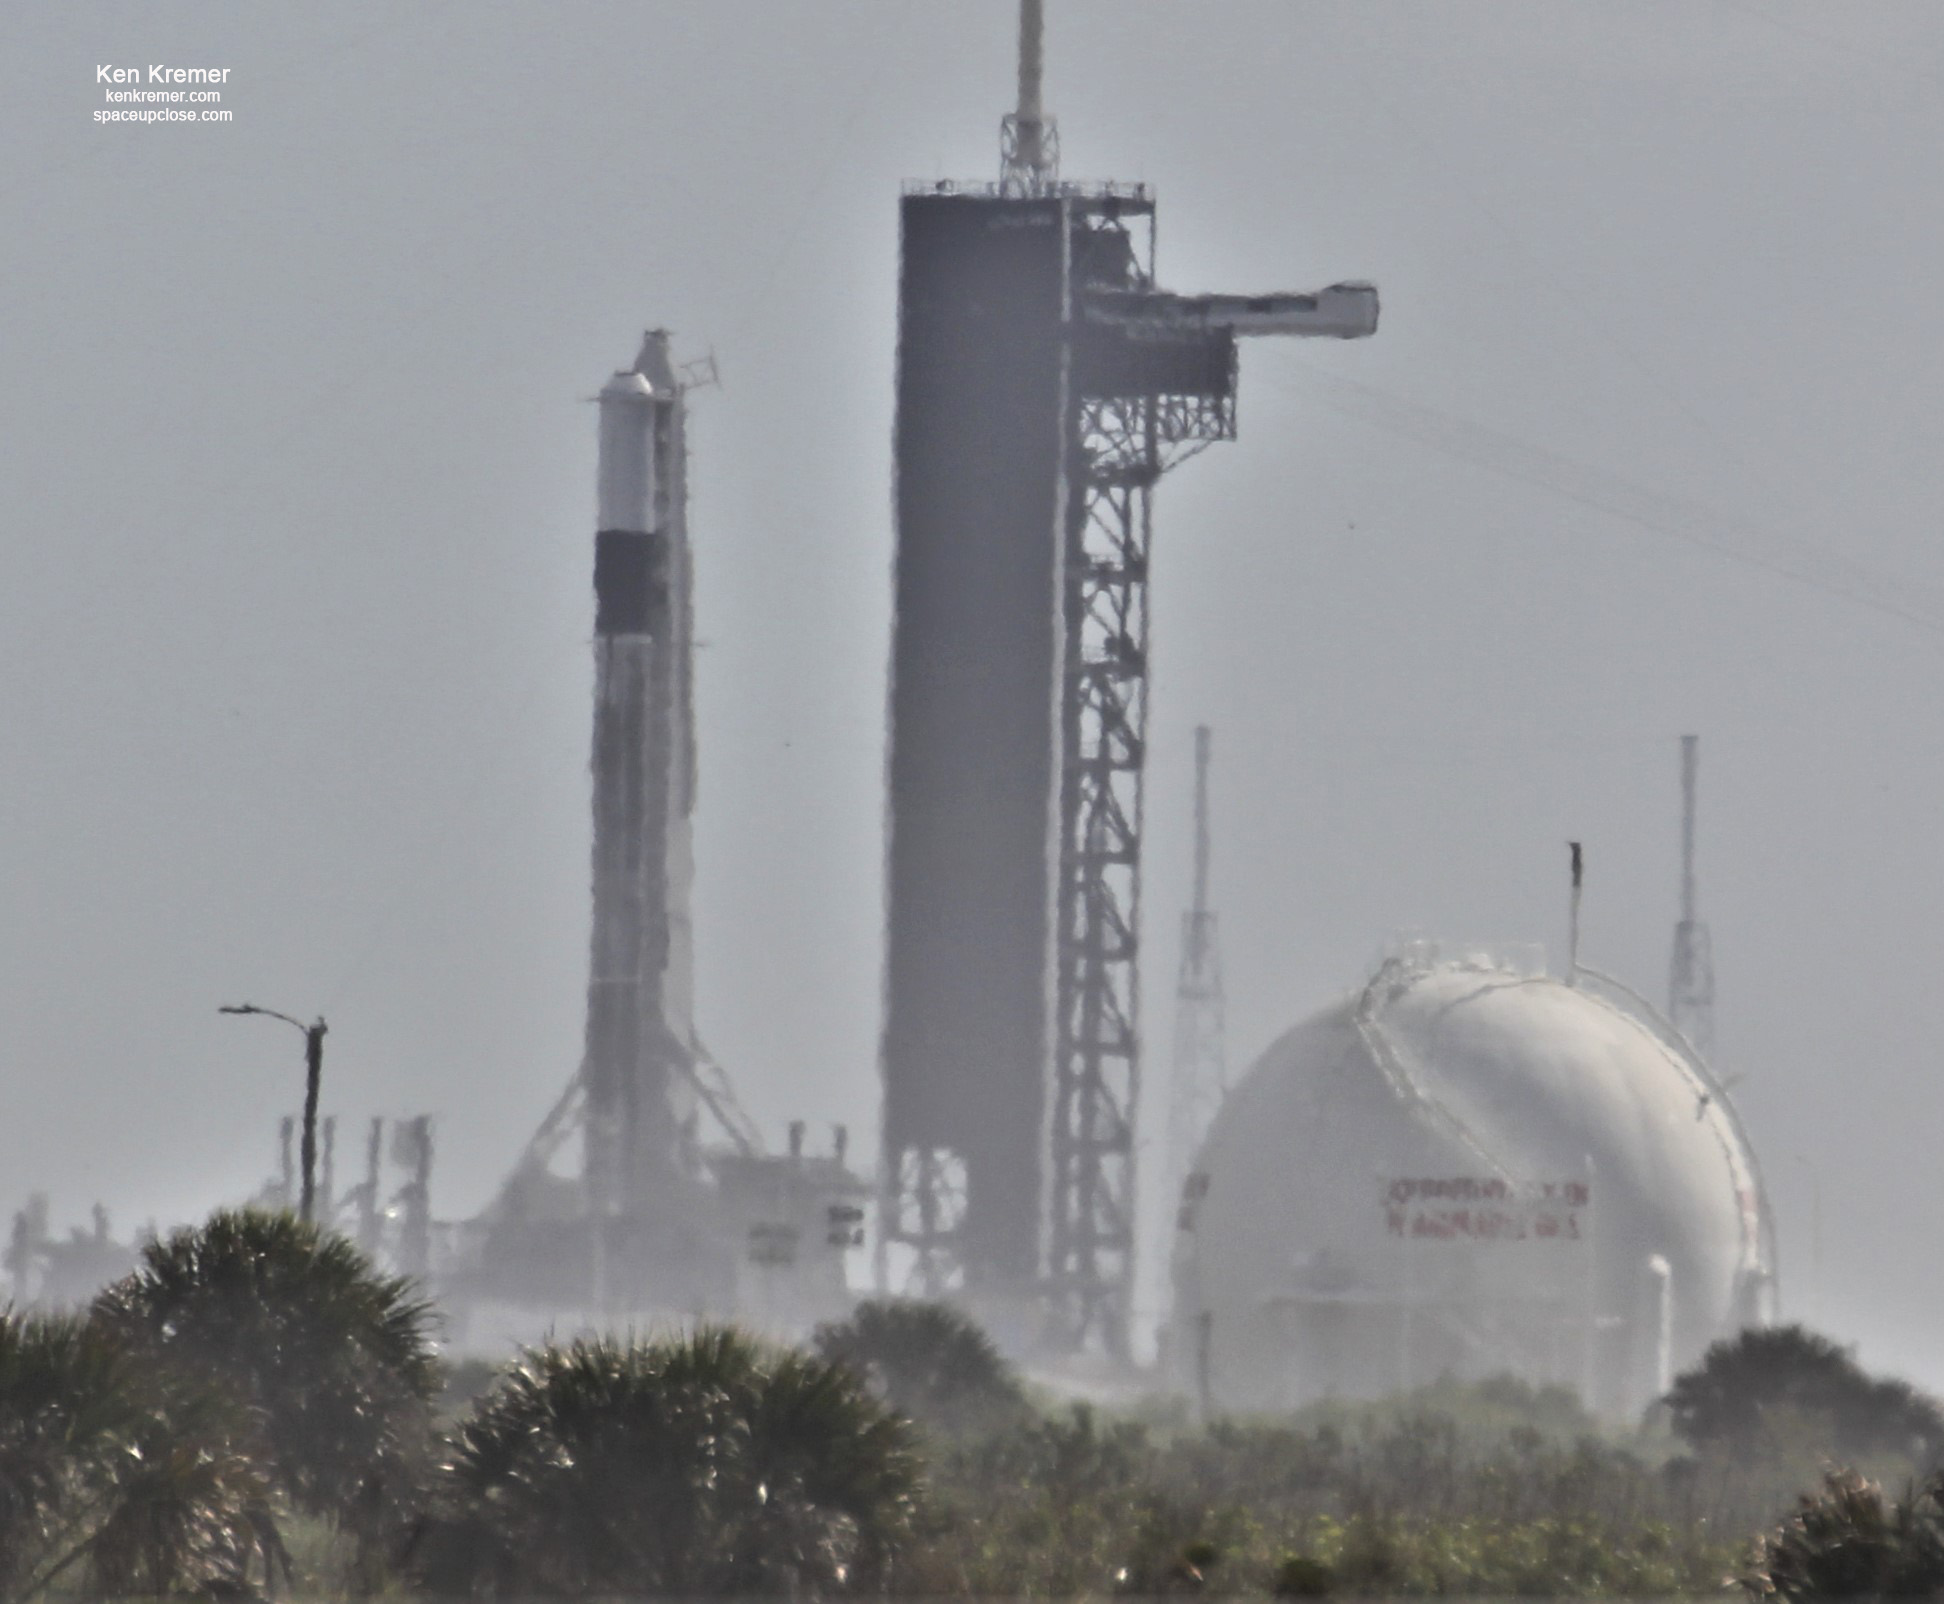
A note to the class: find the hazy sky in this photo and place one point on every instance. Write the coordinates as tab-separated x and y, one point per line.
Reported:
297	483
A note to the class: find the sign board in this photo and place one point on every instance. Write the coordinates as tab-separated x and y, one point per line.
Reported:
846	1221
1193	1190
1467	1208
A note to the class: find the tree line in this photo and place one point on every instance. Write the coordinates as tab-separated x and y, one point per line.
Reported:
256	1410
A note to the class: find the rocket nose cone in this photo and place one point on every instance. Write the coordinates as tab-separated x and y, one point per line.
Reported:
627	387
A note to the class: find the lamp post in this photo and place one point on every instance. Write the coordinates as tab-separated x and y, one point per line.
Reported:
313	1076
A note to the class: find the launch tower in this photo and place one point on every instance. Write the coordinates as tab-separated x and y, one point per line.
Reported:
1044	384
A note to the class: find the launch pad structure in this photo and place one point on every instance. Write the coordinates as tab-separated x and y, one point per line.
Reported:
1045	383
674	1209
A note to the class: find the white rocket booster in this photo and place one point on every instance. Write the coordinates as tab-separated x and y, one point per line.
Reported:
639	999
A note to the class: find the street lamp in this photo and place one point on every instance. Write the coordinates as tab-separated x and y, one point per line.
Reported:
313	1075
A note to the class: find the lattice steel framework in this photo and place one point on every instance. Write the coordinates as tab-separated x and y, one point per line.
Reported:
1120	446
928	1214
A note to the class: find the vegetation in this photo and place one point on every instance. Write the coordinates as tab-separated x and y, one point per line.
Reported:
1849	1541
255	1409
702	1465
332	1361
929	1361
1765	1383
462	1383
1377	1501
113	1481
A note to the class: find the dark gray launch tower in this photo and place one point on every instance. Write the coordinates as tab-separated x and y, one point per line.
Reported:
1044	386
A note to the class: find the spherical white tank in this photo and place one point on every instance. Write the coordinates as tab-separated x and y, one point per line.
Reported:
1468	1170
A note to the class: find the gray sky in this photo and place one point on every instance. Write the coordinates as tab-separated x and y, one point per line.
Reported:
298	501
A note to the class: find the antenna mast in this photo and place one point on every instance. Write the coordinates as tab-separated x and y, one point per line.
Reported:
1691	986
1029	142
1573	913
1200	1050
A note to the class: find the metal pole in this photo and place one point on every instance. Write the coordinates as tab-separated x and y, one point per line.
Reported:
313	1079
1590	1367
1690	769
1028	149
327	1173
1662	1283
307	1150
1203	741
415	1230
368	1192
1573	919
1690	1001
1031	71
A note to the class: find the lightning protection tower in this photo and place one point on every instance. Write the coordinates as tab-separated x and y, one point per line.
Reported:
1044	385
1691	984
1200	1068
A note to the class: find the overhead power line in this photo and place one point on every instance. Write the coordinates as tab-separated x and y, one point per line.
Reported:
1722	534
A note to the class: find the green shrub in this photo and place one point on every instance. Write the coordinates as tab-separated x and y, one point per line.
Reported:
117	1477
928	1361
1741	1384
1386	1501
1849	1541
332	1360
700	1465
